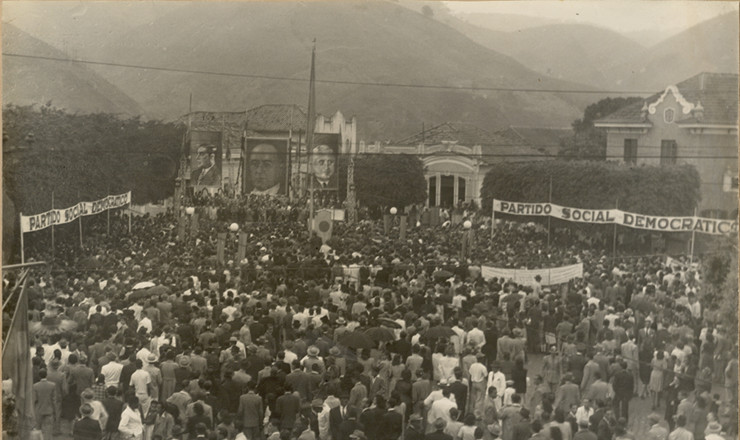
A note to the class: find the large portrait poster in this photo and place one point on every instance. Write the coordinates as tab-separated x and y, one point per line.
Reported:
323	161
266	168
205	159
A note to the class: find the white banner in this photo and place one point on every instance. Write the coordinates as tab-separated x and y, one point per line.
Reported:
41	221
552	276
609	216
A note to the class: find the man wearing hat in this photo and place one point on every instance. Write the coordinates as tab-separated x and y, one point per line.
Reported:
657	431
438	433
713	431
155	374
357	435
99	413
86	427
414	431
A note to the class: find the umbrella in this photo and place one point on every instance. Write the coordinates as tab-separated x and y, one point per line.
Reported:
147	292
387	322
356	339
439	331
380	334
51	325
143	285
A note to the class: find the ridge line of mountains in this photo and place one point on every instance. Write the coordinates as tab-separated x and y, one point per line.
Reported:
376	42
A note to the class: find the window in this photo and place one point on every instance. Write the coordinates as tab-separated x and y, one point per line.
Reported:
669	115
630	151
730	182
668	152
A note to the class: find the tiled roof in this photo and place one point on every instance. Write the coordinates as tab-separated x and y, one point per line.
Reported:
717	93
464	134
276	117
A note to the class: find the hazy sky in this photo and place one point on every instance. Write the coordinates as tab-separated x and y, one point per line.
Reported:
631	15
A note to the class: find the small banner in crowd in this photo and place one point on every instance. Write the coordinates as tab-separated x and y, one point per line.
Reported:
552	276
323	224
610	216
31	223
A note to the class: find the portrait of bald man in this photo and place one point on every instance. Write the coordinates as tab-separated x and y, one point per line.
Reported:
266	167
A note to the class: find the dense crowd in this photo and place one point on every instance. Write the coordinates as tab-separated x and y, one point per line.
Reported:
367	337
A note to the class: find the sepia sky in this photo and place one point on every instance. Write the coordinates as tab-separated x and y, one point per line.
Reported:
625	16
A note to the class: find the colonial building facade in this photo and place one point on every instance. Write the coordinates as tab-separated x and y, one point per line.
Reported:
693	122
456	158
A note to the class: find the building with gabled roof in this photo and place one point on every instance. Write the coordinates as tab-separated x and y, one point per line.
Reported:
693	122
457	156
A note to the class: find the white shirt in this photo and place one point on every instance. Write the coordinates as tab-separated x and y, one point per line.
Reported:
441	408
478	372
112	373
498	380
145	323
139	380
131	423
476	337
582	415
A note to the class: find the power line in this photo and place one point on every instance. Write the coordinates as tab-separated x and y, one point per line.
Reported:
341	82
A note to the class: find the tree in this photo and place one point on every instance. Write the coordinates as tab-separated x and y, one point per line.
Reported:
389	180
85	157
719	285
587	141
651	190
427	11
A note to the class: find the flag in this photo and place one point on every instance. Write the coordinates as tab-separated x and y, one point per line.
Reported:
323	224
17	363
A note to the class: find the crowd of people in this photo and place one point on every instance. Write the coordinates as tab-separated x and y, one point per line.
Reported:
367	337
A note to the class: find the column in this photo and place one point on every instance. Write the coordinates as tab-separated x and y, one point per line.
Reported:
455	184
439	190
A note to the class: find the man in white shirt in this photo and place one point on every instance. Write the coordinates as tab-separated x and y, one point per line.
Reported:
141	382
476	337
584	412
145	323
440	409
112	371
478	380
497	379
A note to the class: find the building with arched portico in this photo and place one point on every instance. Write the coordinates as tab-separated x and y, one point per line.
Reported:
457	156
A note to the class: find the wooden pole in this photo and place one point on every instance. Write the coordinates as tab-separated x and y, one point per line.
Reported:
549	200
53	248
614	239
23	251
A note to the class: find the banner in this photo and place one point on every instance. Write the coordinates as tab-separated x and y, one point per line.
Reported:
323	160
41	221
205	158
266	168
610	216
552	276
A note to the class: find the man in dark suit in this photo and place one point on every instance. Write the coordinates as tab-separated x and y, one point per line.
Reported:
207	173
287	408
114	408
251	412
371	418
459	390
379	384
392	422
338	415
44	401
439	431
86	428
299	381
623	389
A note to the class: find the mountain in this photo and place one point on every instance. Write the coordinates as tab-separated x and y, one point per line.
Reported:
710	46
505	22
74	87
369	42
574	52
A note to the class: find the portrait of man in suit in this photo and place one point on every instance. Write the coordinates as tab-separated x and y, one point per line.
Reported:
266	166
324	161
207	171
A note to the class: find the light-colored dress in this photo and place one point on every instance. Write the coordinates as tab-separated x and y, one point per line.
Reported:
656	375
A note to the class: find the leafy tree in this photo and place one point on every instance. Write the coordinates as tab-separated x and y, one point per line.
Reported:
389	180
427	11
719	284
652	190
587	141
85	157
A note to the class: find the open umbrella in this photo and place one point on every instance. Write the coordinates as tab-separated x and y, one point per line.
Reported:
143	285
387	322
439	331
356	339
51	325
380	334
